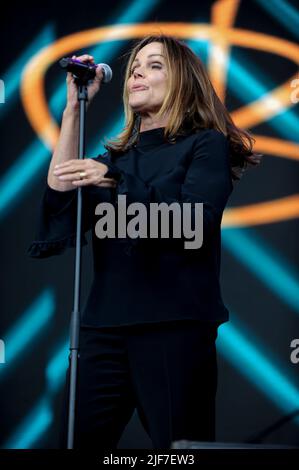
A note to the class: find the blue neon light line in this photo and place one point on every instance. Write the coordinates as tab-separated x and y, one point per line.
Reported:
265	263
253	364
284	13
57	366
32	427
29	325
12	77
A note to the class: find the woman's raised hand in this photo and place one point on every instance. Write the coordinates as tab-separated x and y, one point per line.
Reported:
72	88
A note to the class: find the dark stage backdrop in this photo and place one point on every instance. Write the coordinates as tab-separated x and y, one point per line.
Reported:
250	51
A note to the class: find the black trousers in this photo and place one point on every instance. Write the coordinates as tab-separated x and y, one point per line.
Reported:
167	371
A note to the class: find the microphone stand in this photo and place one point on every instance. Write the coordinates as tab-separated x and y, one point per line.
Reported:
75	317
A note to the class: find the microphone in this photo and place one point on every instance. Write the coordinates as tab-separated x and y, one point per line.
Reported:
85	71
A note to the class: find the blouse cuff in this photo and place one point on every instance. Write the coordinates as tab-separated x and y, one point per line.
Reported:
58	200
113	170
44	249
56	229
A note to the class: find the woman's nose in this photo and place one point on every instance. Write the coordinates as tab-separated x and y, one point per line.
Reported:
137	74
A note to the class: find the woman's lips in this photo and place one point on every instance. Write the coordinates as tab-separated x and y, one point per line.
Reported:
138	88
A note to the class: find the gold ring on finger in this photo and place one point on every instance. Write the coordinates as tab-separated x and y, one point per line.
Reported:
82	175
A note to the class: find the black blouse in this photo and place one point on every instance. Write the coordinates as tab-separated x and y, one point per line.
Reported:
145	279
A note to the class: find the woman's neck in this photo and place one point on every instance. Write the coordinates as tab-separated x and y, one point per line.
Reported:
149	122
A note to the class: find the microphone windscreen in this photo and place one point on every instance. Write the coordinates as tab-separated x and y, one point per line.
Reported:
107	73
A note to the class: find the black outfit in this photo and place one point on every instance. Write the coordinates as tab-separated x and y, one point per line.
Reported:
150	280
139	284
167	371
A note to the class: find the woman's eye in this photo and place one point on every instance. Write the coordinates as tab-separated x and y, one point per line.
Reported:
158	66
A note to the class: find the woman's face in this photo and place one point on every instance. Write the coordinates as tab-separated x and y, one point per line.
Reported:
147	84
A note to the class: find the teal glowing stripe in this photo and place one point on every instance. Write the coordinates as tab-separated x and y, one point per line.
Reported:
32	427
38	420
244	84
257	368
21	174
201	48
57	366
97	147
12	77
265	263
284	13
30	324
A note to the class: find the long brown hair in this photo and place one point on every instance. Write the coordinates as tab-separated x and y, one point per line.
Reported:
191	104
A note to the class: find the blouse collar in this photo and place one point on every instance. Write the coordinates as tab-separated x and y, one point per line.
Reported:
150	137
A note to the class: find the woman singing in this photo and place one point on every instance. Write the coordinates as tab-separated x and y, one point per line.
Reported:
149	326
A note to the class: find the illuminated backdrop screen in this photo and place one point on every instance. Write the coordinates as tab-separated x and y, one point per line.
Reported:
251	53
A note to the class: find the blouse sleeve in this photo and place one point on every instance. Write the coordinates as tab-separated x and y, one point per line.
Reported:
56	227
207	181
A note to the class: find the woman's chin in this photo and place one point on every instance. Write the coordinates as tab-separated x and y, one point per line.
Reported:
137	107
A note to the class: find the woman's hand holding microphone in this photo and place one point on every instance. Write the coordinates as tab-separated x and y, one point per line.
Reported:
92	88
65	172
